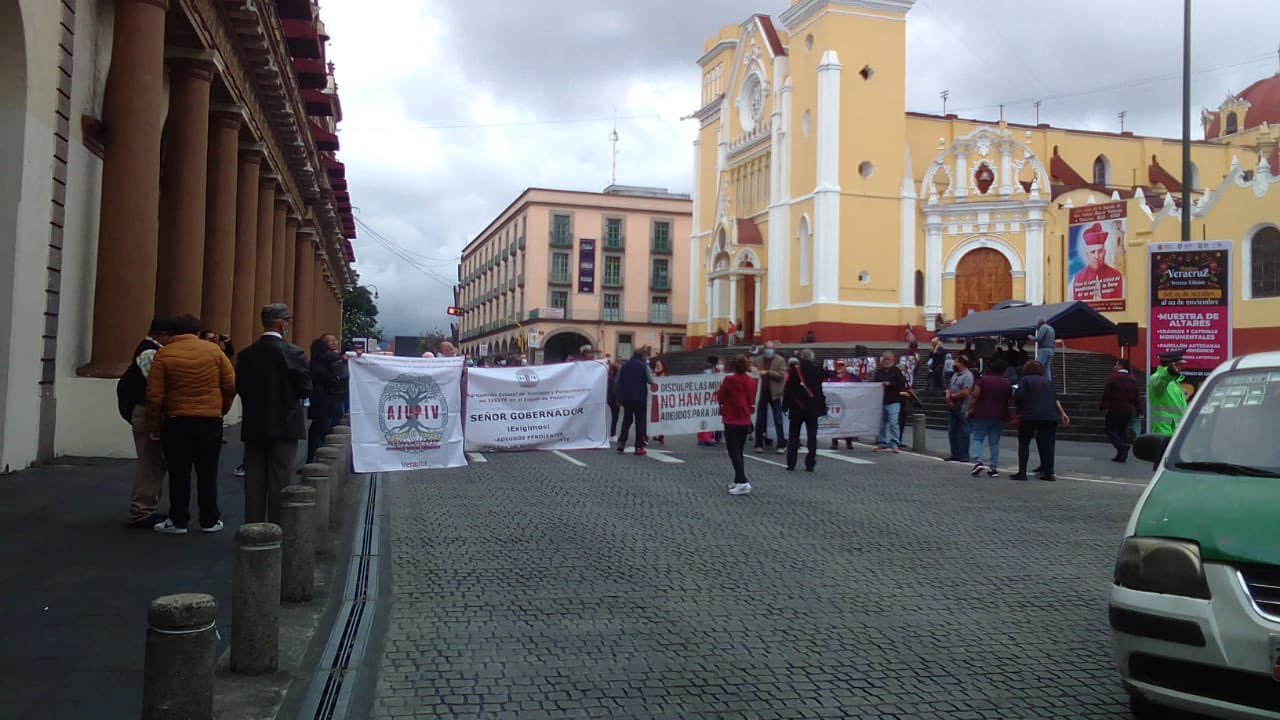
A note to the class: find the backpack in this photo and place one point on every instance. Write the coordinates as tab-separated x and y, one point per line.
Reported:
131	386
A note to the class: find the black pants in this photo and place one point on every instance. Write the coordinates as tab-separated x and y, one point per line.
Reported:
1117	426
1046	433
633	412
192	442
321	426
613	419
793	440
735	441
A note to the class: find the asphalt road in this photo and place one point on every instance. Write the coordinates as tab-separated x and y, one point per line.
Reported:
593	584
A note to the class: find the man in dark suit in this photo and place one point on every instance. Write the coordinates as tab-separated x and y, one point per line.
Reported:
272	379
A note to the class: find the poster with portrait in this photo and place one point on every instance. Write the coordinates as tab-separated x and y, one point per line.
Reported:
1096	255
405	413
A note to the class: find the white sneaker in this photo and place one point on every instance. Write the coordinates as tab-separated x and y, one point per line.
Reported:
977	468
743	489
216	527
239	471
167	527
780	451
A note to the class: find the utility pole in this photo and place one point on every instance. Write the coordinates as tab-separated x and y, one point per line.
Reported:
1122	115
613	138
1037	104
1186	121
1001	112
944	95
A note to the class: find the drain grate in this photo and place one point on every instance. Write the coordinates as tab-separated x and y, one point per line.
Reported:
329	695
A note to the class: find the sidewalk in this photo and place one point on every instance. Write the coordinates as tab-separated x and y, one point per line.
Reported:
76	584
1084	459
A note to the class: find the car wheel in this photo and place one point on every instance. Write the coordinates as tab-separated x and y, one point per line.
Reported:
1145	710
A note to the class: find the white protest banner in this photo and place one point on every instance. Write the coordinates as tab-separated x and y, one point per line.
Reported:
853	410
406	413
548	407
684	405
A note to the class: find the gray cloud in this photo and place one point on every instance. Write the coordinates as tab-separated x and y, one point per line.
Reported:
407	65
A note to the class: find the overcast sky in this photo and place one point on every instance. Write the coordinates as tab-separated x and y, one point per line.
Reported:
453	107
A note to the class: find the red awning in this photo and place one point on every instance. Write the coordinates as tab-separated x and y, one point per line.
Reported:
294	9
749	233
351	253
312	74
325	140
302	38
338	185
318	103
333	167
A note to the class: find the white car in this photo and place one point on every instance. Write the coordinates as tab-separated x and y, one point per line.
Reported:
1195	608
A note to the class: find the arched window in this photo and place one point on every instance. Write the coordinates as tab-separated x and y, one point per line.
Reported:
919	288
1195	177
806	252
1101	171
1264	257
1233	123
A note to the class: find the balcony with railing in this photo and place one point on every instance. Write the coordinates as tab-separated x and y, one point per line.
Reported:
660	315
559	278
660	282
561	237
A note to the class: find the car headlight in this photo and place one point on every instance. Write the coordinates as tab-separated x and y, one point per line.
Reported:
1162	565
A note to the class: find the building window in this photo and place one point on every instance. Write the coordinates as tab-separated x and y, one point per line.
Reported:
613	233
662	236
806	252
612	271
561	231
659	310
675	343
612	308
919	289
1101	171
1233	123
661	274
560	299
560	268
1264	258
625	347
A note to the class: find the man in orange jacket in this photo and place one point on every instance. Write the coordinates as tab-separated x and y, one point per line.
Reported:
190	388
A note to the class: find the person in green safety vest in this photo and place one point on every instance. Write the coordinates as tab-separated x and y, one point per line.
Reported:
1164	393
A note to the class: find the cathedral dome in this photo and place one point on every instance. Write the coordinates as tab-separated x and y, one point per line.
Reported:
1256	104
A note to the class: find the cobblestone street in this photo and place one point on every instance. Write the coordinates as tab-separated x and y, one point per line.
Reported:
529	586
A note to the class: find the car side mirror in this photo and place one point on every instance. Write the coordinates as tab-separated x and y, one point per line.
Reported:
1150	447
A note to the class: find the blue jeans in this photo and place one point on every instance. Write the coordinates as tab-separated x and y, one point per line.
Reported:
890	431
762	422
958	432
988	430
1045	358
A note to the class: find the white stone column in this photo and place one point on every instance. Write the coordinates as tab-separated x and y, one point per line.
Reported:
907	239
732	312
758	322
932	270
695	240
1035	256
1006	171
826	195
962	174
711	305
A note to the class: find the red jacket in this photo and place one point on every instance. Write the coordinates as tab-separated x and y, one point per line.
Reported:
737	395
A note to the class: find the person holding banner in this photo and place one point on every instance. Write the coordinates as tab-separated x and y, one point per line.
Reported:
843	373
735	396
805	403
773	371
635	379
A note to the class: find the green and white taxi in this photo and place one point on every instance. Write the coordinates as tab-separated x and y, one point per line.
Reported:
1195	608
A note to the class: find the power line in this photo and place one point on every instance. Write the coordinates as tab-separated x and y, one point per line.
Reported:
529	123
404	255
425	260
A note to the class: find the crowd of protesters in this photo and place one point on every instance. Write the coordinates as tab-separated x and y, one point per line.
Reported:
180	385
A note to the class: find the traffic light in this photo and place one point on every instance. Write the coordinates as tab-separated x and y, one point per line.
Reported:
454	310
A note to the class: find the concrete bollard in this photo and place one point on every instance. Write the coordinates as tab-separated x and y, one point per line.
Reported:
177	675
255	599
919	432
317	475
341	430
343	444
332	457
298	557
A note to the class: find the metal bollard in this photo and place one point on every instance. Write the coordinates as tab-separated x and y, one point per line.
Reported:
298	559
919	432
255	599
177	675
316	475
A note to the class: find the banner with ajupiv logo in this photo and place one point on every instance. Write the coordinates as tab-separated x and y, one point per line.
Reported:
405	413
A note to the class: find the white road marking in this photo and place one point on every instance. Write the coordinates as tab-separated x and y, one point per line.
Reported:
846	458
766	462
477	457
665	456
1104	482
906	452
568	458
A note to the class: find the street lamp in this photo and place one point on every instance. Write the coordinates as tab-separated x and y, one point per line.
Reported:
374	288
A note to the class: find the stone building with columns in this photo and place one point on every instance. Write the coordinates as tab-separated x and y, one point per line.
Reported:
821	204
156	157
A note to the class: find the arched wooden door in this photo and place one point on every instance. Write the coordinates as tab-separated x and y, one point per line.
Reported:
983	278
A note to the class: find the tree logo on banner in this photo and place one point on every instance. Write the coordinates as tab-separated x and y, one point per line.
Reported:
413	414
835	409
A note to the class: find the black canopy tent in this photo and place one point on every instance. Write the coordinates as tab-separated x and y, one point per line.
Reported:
1069	320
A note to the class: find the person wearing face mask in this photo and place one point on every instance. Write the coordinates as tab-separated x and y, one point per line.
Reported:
773	371
842	374
708	438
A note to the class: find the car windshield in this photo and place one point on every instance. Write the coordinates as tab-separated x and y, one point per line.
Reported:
1233	431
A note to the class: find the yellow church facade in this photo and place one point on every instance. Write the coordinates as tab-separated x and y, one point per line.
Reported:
821	205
